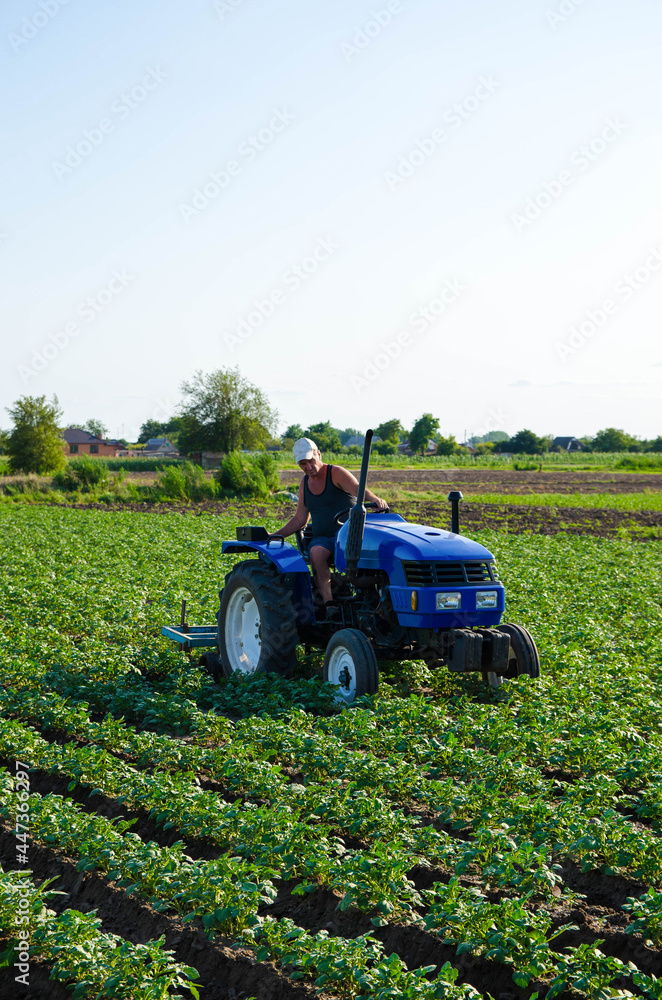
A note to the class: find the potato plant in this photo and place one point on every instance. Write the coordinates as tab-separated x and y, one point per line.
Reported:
501	793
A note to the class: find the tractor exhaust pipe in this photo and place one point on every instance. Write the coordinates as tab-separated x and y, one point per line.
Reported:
357	513
455	496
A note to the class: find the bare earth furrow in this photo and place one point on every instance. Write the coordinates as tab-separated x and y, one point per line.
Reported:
227	973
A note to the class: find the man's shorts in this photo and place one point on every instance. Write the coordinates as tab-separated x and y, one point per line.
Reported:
326	541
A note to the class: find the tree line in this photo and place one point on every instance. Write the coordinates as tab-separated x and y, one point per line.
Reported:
223	412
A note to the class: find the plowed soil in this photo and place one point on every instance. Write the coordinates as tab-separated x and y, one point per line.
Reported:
230	973
516	518
603	523
227	973
506	481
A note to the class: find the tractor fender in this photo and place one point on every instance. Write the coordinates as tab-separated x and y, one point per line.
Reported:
291	564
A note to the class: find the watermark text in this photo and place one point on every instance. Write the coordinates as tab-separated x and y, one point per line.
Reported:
595	319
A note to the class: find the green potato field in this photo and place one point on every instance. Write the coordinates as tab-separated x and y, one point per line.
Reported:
167	836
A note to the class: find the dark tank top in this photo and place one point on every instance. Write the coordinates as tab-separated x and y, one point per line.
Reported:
325	506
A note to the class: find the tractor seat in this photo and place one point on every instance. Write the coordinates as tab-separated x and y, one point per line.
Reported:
304	539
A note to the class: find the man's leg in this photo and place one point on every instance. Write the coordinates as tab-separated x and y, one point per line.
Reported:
319	560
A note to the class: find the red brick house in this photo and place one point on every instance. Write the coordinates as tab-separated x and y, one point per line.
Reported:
79	442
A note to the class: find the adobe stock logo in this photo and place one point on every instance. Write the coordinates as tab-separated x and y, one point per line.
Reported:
595	319
88	310
582	158
247	151
32	25
121	108
224	7
420	320
365	33
292	279
454	117
565	10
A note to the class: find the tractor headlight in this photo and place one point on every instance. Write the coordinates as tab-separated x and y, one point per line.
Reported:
448	600
486	599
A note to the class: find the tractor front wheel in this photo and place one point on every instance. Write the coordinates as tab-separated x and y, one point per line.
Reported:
256	621
350	665
523	654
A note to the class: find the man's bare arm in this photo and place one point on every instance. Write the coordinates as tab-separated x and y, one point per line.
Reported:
300	519
346	481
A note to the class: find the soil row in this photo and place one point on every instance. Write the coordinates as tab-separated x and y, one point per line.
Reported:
227	973
608	892
515	518
505	481
598	916
601	522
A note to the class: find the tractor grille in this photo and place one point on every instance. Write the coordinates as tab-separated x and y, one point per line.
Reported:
448	574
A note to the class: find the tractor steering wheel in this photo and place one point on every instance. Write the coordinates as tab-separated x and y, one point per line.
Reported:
345	513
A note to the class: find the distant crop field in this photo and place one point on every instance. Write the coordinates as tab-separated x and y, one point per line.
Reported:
439	840
551	461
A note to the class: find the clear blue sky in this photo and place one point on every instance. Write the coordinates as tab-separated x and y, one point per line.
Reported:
373	179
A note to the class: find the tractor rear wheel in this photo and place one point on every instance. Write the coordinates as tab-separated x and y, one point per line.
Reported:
523	654
256	621
350	665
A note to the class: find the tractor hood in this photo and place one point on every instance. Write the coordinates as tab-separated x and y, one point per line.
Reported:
388	539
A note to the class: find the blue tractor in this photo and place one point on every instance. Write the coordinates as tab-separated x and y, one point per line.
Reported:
404	592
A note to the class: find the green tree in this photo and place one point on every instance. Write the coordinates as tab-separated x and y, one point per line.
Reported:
484	447
150	429
383	448
325	436
4	441
525	442
492	437
348	433
655	445
193	436
96	427
223	411
35	442
425	428
294	432
390	430
447	446
156	429
612	439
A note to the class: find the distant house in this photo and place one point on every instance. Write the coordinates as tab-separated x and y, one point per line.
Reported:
567	444
358	440
80	442
159	448
404	449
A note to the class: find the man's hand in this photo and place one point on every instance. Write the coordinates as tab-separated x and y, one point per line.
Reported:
381	504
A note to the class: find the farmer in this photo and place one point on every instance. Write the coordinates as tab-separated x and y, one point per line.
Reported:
324	491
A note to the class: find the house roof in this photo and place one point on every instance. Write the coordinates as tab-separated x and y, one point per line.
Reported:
75	435
358	439
563	442
154	444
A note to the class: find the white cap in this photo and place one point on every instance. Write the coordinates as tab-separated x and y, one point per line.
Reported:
304	448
